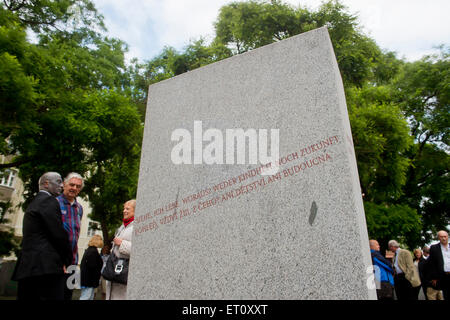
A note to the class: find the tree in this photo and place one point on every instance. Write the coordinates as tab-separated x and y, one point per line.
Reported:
16	85
66	104
170	63
76	79
382	141
8	243
422	92
386	222
428	188
244	26
47	15
380	131
248	25
381	138
115	133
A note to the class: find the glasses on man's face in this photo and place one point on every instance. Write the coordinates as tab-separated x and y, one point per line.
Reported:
74	185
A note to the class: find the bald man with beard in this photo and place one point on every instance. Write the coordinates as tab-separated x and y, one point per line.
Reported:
45	247
384	273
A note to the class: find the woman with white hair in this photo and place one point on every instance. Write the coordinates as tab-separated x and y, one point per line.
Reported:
122	250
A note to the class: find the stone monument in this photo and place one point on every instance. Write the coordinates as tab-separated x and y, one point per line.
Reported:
284	219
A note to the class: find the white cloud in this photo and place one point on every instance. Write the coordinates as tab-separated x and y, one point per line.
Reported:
410	27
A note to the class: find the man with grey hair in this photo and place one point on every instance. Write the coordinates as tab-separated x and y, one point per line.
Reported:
45	248
426	252
72	213
406	276
439	264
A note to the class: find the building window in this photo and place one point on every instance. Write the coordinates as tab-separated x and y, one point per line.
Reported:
92	228
7	177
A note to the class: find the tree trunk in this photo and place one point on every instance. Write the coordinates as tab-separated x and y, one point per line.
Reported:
105	232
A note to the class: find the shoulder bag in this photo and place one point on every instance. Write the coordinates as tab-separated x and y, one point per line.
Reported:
116	269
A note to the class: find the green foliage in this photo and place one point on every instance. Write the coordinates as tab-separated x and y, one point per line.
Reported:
46	15
423	92
243	26
427	188
381	138
65	105
8	244
114	133
403	182
252	24
16	86
356	53
386	68
170	63
386	222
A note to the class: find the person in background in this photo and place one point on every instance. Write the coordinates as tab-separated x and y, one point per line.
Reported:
439	265
430	292
384	273
426	252
405	275
91	266
122	250
45	248
72	213
423	270
416	260
106	250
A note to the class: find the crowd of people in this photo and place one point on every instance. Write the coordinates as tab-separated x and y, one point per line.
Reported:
403	275
51	229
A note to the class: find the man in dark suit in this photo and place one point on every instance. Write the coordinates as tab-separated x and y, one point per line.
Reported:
439	264
45	246
423	270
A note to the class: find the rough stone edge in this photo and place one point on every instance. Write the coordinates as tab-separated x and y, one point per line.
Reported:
356	187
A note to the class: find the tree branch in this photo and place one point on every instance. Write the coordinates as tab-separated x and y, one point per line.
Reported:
14	164
18	7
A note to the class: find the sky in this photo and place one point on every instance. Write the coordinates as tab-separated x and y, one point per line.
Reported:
409	27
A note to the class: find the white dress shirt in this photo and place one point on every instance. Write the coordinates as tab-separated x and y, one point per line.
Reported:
446	256
397	268
45	191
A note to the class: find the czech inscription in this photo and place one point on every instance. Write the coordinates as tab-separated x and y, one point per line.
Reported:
254	180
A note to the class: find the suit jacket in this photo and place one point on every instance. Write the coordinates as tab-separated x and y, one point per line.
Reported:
423	271
405	262
435	263
45	243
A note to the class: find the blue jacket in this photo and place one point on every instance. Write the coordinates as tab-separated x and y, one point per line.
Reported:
383	267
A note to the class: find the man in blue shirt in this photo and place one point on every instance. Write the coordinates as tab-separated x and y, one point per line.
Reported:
72	213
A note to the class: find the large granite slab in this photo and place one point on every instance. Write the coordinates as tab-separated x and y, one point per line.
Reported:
230	231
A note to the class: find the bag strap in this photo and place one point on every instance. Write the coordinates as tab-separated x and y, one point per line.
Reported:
119	230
